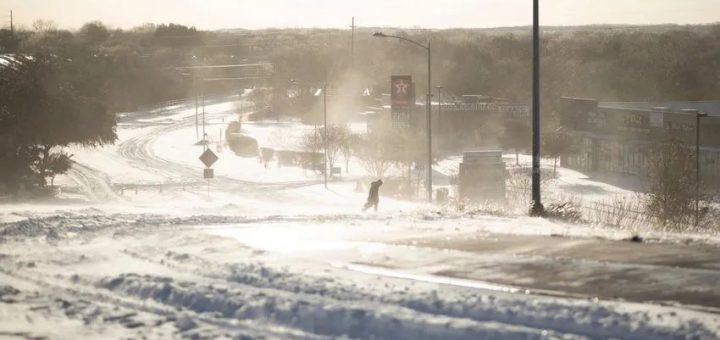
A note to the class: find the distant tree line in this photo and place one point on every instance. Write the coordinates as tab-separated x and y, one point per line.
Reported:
608	63
135	66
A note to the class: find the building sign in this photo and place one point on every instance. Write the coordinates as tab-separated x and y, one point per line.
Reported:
401	119
402	100
633	122
597	118
518	109
401	92
465	107
679	127
514	111
656	119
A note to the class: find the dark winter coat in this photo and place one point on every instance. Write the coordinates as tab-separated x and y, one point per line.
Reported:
374	191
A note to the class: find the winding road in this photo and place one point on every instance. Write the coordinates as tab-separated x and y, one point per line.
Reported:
139	152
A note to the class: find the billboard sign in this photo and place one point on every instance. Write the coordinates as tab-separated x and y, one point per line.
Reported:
401	92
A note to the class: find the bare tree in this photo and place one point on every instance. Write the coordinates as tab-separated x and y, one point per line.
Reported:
374	154
41	25
332	138
405	147
672	195
348	144
516	137
555	145
312	143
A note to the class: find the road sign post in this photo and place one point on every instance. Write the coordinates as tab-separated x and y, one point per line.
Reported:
208	158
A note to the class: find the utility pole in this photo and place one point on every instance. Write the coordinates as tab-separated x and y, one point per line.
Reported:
203	119
439	110
325	131
197	133
12	27
352	44
537	208
429	126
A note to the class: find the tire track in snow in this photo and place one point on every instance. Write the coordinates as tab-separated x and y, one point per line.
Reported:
94	184
139	151
313	311
559	316
82	289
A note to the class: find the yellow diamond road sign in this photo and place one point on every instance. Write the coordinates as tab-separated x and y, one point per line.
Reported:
208	158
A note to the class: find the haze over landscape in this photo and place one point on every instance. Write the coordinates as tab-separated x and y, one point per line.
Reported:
255	14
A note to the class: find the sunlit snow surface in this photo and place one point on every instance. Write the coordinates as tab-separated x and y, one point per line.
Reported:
137	246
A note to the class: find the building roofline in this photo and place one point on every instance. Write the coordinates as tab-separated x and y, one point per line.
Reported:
677	112
579	98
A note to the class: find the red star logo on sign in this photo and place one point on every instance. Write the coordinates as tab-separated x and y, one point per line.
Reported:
401	87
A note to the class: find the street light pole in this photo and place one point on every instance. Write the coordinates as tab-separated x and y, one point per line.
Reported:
428	107
698	115
537	208
429	127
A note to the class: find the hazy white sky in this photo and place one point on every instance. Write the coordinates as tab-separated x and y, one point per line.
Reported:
213	14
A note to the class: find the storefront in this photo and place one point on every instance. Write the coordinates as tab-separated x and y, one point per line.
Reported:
612	137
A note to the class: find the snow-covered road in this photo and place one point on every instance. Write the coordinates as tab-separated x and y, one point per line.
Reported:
130	275
270	253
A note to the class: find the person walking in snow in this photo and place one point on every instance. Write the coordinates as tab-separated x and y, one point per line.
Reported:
373	196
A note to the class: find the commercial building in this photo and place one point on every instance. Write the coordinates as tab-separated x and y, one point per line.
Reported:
459	123
617	136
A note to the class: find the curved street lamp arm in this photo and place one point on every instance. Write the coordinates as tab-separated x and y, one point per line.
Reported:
406	39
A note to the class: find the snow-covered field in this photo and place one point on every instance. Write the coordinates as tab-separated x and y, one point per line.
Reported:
139	246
